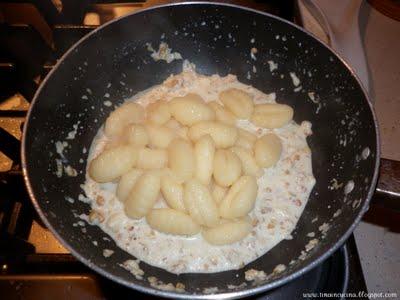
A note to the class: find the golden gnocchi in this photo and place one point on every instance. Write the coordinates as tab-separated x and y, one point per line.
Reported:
152	158
181	159
173	124
218	192
159	136
245	139
240	199
227	232
182	132
128	113
249	164
172	191
190	109
137	135
227	167
200	204
224	136
221	114
272	115
143	195
268	149
172	221
126	183
204	151
113	163
158	112
238	102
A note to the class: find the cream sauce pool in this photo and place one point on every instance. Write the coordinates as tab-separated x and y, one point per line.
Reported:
282	194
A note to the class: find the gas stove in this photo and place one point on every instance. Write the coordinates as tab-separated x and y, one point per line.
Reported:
33	264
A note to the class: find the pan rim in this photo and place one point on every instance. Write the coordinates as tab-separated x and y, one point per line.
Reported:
234	294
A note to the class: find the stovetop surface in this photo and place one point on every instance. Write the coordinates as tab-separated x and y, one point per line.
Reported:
33	264
63	277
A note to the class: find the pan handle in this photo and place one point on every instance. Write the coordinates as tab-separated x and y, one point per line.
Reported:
388	189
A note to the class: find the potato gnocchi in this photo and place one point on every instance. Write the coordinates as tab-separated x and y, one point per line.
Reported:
191	164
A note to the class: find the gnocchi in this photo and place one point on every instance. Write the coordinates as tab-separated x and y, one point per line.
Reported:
159	136
172	124
190	109
172	221
221	114
227	167
268	150
112	163
114	142
137	135
238	102
158	112
224	136
272	115
172	192
152	158
127	113
197	182
204	151
143	195
249	164
240	199
218	192
245	139
127	182
182	132
181	159
200	204
227	232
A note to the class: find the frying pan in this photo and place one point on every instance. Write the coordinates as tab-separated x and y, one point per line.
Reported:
113	60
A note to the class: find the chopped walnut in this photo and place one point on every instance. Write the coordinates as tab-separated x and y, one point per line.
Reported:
170	83
178	264
266	210
297	202
271	224
100	200
180	287
214	261
255	222
95	217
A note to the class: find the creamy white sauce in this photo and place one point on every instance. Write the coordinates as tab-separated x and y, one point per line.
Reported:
282	195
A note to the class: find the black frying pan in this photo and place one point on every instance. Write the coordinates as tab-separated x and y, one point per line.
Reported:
343	123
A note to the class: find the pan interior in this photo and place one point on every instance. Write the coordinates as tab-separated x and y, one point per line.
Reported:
114	63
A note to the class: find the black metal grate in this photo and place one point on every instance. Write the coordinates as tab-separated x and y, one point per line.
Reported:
25	59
